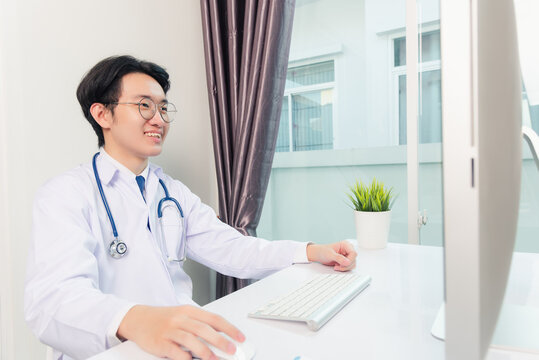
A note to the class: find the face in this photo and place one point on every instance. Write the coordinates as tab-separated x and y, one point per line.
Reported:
129	138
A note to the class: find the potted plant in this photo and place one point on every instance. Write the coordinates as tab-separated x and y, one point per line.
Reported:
372	211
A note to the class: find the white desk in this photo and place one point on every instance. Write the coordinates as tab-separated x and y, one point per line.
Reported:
390	319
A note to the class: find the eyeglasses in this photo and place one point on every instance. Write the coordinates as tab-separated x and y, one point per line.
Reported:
147	109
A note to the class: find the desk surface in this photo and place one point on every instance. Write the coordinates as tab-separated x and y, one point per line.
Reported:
390	319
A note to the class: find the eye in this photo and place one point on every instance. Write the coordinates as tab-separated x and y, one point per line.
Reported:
163	108
145	104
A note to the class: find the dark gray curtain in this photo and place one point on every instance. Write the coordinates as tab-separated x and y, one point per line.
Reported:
246	45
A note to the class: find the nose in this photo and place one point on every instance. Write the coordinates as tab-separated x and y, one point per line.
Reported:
157	120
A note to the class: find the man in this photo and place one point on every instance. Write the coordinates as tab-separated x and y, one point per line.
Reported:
103	268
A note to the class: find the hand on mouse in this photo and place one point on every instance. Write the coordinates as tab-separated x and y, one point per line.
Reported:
163	330
341	255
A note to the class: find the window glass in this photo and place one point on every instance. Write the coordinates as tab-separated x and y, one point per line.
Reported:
430	116
528	226
402	109
312	74
430	46
400	51
430	105
283	138
534	117
307	113
312	120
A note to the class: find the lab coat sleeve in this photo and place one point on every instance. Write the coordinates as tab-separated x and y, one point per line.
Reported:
63	304
224	249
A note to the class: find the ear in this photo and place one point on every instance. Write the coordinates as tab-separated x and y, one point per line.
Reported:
102	115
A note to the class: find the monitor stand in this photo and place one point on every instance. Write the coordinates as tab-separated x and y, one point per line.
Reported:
517	328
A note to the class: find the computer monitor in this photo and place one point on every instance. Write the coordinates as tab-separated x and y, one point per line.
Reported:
482	143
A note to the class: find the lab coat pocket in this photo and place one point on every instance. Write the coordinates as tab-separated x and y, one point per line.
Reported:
171	234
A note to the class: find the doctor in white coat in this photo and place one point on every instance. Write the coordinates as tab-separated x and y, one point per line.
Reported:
88	289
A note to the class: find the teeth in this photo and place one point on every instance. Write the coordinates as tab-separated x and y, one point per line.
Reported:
154	135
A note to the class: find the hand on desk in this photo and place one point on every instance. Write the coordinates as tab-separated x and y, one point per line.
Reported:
163	330
340	255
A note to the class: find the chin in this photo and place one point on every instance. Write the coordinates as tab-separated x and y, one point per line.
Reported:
150	151
154	152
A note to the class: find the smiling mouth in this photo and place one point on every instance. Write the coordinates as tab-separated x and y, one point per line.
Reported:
153	134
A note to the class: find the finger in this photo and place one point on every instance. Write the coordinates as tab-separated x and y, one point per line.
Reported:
190	342
345	268
209	334
340	260
218	323
352	255
175	352
346	248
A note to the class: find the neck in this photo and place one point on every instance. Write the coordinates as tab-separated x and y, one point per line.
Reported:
133	163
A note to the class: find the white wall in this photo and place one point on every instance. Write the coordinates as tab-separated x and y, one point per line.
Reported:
45	48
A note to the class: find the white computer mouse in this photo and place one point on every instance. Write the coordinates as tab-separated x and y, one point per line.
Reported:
244	350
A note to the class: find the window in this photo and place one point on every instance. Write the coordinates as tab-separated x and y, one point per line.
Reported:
340	121
307	111
430	97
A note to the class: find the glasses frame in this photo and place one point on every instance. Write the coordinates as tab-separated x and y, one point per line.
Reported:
139	103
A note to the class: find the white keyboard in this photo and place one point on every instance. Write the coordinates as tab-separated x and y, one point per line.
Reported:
315	301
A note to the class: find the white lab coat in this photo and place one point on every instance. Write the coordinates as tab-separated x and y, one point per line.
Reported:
76	294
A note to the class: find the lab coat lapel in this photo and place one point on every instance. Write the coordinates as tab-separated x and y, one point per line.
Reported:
153	189
153	192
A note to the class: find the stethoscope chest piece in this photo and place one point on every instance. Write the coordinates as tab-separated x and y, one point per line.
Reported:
117	248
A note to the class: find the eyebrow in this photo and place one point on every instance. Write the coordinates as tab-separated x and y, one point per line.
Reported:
150	97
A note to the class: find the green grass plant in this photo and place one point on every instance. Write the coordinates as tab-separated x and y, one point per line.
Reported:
375	197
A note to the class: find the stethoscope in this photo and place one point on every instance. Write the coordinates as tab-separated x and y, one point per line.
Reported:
118	248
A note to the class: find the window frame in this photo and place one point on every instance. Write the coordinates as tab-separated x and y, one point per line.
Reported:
400	70
288	93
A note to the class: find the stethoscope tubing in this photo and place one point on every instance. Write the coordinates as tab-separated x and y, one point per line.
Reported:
118	248
167	198
105	203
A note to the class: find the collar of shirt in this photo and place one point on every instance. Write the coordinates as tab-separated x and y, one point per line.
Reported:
111	167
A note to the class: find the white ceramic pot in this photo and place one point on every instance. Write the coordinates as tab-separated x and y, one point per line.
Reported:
372	228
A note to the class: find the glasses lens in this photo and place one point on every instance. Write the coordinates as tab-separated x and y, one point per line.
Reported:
167	111
146	108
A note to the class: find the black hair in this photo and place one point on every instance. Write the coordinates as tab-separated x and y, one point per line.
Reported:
102	84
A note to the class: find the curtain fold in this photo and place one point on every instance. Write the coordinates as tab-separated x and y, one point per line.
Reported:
246	46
